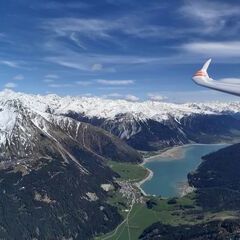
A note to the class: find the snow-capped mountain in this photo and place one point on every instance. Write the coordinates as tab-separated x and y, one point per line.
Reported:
53	167
108	109
144	125
53	153
23	127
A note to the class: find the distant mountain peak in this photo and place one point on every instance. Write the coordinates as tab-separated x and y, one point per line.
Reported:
144	125
108	108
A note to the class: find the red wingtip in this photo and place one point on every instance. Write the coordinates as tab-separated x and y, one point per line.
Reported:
200	73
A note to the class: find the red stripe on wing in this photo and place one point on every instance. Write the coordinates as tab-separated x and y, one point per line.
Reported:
200	74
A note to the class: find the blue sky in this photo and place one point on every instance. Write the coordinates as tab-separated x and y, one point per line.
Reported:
134	49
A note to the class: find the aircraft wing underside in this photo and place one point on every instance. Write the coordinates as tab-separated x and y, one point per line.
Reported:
201	78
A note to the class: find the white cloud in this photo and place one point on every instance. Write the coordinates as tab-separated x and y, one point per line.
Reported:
60	5
52	76
2	35
11	64
69	63
87	95
156	97
18	77
77	41
48	80
60	85
82	62
222	49
115	82
95	29
97	67
88	27
131	98
127	97
113	95
10	85
198	96
211	15
94	62
84	83
108	88
79	30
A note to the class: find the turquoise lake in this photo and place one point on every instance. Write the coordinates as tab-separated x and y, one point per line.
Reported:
170	173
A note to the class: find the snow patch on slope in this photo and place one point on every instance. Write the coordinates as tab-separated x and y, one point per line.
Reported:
8	117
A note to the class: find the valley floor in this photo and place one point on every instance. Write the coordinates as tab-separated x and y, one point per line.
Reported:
140	211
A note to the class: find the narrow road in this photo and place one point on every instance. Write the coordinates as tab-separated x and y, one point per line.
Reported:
123	222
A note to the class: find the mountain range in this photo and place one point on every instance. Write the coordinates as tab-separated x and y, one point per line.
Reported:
53	170
146	126
54	154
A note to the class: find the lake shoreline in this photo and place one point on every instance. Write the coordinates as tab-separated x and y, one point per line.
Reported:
168	154
174	153
148	177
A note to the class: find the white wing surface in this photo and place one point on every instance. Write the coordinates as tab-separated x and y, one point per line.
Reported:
201	78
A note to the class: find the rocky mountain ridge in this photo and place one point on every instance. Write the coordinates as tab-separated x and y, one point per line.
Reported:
147	126
108	108
52	169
